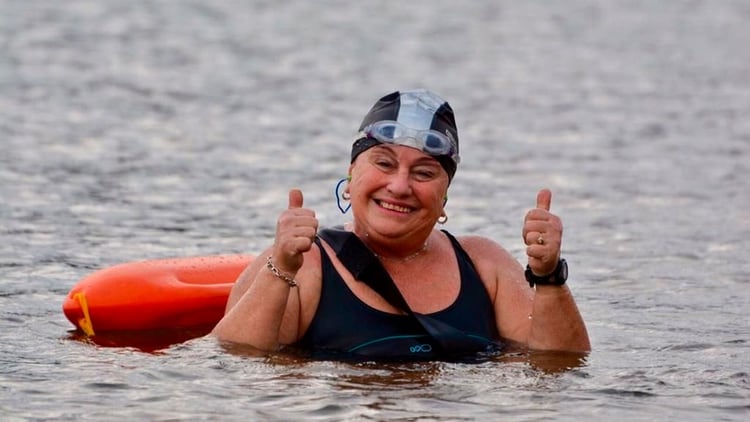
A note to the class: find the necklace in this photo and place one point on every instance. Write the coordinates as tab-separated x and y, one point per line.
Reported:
404	259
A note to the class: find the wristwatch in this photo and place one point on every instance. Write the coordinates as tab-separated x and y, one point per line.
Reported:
558	277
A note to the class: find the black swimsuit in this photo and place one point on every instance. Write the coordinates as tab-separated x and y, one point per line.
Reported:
344	326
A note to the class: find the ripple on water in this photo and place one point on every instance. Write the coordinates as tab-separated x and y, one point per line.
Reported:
138	130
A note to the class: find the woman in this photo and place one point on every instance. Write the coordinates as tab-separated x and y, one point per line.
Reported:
389	284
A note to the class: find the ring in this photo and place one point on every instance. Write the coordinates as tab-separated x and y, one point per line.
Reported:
540	240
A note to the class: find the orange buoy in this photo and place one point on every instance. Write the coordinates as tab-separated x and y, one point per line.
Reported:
157	294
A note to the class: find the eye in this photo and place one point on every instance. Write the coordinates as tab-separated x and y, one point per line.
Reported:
424	174
383	162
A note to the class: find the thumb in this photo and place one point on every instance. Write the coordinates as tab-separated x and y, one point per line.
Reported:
295	198
544	199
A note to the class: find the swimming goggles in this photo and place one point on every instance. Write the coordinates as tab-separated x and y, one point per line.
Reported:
428	140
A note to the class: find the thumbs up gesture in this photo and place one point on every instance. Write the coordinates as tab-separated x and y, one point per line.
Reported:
542	233
295	231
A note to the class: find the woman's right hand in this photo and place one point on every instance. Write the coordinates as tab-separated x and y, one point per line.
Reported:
295	232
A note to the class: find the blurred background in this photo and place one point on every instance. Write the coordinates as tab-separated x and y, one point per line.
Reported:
135	130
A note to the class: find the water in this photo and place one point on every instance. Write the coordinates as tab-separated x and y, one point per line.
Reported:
136	130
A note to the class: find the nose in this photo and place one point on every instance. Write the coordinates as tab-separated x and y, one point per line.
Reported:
399	183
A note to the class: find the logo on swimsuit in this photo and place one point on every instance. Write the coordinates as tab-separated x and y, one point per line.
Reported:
421	348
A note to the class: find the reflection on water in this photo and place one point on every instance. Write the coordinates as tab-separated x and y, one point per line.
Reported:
366	376
367	372
546	361
147	341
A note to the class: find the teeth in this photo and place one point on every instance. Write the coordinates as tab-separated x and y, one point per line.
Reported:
394	207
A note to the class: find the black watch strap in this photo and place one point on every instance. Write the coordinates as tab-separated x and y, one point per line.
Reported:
558	277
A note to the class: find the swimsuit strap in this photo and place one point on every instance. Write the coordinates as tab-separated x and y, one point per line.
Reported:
364	265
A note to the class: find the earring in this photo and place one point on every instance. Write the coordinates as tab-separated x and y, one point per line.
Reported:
443	219
344	195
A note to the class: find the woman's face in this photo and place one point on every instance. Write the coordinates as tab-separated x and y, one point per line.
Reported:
396	191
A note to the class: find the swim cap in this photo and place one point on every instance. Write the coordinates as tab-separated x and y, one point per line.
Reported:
418	110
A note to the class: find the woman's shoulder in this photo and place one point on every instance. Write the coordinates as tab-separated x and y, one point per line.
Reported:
484	251
501	272
481	245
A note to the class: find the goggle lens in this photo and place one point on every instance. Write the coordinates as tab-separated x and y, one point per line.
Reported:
435	143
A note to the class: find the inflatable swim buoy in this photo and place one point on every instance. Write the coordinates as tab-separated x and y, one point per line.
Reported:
179	293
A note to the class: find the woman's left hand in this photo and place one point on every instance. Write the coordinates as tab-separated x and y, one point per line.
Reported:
542	233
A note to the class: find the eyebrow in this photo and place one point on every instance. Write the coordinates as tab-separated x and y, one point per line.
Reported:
388	149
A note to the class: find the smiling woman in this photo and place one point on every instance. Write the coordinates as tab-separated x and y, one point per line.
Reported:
389	284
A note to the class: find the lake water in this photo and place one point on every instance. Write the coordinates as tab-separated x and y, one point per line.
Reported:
135	130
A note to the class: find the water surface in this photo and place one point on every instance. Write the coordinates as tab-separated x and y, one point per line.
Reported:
138	130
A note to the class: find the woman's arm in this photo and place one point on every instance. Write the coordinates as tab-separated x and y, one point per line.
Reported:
556	323
544	317
264	309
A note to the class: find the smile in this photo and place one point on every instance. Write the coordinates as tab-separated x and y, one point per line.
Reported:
394	207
